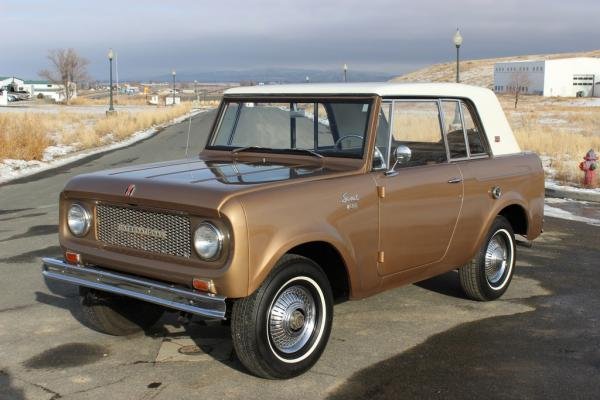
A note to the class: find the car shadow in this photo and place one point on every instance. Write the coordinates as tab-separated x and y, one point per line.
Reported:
206	337
7	389
447	284
199	337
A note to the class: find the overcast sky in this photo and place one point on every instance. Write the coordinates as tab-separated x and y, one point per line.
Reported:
151	37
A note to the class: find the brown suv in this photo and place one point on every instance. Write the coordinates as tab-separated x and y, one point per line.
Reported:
304	194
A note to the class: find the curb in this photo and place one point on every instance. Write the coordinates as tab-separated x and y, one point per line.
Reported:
573	195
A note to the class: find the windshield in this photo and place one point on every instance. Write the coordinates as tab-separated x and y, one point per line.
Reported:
321	128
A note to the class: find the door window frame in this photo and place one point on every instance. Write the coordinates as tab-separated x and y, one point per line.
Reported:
441	119
391	124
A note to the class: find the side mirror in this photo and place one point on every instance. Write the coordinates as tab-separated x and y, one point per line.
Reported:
402	155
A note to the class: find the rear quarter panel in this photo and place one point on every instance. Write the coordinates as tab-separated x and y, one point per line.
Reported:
521	178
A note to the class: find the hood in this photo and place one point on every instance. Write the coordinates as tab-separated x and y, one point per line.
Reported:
193	183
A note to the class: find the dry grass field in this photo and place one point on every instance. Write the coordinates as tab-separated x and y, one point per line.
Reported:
117	100
25	136
561	130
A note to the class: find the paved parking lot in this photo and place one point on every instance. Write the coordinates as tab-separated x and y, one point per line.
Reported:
541	340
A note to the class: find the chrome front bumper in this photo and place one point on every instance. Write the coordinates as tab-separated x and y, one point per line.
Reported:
188	300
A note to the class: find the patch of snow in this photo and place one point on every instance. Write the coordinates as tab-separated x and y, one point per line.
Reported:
557	200
587	102
552	184
51	152
555	212
13	169
552	121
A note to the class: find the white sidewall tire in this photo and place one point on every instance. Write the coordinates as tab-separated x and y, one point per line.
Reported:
511	261
321	322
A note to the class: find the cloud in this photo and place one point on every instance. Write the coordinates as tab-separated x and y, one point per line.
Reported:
153	36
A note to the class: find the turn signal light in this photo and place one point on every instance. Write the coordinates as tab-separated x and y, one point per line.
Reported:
204	285
72	258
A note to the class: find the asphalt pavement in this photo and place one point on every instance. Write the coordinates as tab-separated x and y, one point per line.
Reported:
541	340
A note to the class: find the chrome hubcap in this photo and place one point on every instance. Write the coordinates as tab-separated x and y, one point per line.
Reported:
292	319
496	259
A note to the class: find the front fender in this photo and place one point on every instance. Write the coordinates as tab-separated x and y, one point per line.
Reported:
281	247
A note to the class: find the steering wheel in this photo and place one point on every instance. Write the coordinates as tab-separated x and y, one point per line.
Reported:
337	142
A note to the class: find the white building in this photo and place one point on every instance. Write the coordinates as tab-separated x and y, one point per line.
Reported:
12	83
56	92
3	97
36	88
566	77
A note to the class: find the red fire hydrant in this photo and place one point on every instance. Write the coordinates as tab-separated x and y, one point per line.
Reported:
589	166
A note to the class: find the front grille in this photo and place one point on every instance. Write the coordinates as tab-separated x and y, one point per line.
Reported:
156	232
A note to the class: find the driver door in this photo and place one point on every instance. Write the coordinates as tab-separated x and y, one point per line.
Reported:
423	195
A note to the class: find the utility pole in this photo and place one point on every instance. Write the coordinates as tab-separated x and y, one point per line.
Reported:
110	107
174	73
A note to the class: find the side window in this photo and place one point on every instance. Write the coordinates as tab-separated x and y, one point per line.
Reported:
416	125
473	132
453	129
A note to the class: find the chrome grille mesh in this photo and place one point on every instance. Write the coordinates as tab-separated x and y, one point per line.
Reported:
151	231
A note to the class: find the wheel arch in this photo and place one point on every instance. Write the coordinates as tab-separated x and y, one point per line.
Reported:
331	262
513	210
517	217
331	255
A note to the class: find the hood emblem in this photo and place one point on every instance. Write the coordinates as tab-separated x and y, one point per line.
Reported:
130	190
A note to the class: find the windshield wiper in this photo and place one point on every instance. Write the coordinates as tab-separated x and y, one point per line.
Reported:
246	148
307	151
269	149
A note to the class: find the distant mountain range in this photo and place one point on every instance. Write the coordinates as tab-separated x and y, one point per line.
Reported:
279	75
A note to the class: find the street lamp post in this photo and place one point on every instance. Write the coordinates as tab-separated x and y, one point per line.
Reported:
110	58
174	73
458	39
345	73
196	89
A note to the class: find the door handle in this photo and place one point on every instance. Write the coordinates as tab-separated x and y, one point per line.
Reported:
454	180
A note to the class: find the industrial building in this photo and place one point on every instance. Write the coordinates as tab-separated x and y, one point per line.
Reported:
35	88
565	77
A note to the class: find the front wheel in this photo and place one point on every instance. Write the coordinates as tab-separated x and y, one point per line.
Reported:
117	315
487	276
281	329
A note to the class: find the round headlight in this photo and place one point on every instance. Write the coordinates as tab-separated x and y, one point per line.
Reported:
78	220
208	241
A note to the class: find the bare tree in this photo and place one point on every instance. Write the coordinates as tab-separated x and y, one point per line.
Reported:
68	68
519	82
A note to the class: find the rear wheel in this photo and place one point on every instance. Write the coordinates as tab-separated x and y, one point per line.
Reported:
117	315
488	274
281	329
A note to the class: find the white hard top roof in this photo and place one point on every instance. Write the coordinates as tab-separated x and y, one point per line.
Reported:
378	88
498	131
